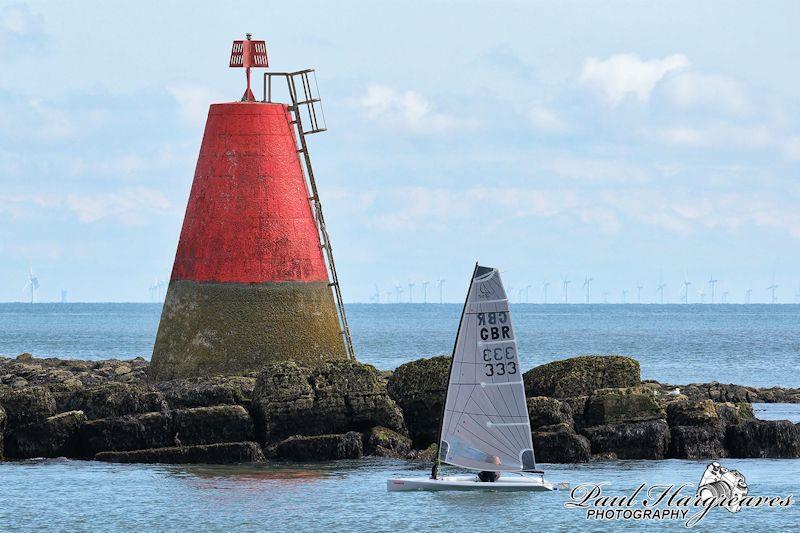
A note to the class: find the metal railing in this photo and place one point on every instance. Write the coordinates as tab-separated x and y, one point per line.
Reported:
308	97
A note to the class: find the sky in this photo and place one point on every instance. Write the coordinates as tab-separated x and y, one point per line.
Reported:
635	143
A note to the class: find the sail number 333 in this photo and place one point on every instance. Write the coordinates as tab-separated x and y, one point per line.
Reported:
500	361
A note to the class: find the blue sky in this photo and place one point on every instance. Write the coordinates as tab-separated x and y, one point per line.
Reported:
630	141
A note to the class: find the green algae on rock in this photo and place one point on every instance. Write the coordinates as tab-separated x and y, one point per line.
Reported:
582	375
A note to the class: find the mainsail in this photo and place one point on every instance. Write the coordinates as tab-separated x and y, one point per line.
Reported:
485	424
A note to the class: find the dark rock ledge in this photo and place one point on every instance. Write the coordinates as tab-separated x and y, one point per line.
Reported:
583	408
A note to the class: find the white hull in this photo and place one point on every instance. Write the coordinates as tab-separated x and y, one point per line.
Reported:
508	483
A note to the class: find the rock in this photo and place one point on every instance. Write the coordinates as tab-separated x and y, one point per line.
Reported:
763	438
25	357
29	405
612	406
579	376
577	405
226	453
637	440
698	441
149	430
56	436
384	442
691	413
321	447
335	397
209	425
419	389
116	399
2	429
19	383
560	444
205	392
121	370
427	455
544	411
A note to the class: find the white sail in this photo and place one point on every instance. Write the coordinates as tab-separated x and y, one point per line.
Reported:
486	425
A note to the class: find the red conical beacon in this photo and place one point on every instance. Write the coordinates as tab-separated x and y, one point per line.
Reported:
253	280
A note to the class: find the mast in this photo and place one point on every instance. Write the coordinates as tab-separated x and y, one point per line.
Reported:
437	462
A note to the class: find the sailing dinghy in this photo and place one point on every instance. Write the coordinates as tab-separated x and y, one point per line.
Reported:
485	425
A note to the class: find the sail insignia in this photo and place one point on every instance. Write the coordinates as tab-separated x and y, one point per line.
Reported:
485	424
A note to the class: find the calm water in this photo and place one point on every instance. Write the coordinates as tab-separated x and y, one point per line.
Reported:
747	344
744	344
345	495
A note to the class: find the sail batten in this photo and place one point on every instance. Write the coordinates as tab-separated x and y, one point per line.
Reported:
486	425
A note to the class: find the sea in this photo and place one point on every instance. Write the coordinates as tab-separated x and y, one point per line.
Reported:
746	344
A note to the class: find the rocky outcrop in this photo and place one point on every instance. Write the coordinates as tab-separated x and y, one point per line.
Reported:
613	406
208	425
185	427
149	430
68	374
763	438
719	392
419	389
582	375
706	441
636	440
560	444
227	453
202	392
56	436
28	405
335	397
116	399
544	411
320	447
2	429
383	442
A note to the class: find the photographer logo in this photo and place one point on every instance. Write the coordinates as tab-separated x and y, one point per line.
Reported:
718	487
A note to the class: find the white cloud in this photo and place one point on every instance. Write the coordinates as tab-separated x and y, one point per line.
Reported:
625	75
791	147
545	120
408	111
18	21
720	135
132	206
608	211
690	89
193	102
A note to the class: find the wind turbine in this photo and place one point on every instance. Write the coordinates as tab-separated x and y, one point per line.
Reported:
566	289
425	291
773	288
388	297
520	292
528	293
797	296
639	292
586	284
544	290
63	296
624	296
724	297
440	282
702	297
605	297
376	296
686	291
398	291
33	283
747	295
713	283
660	290
410	292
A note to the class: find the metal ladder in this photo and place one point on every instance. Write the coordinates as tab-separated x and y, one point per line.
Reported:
313	104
